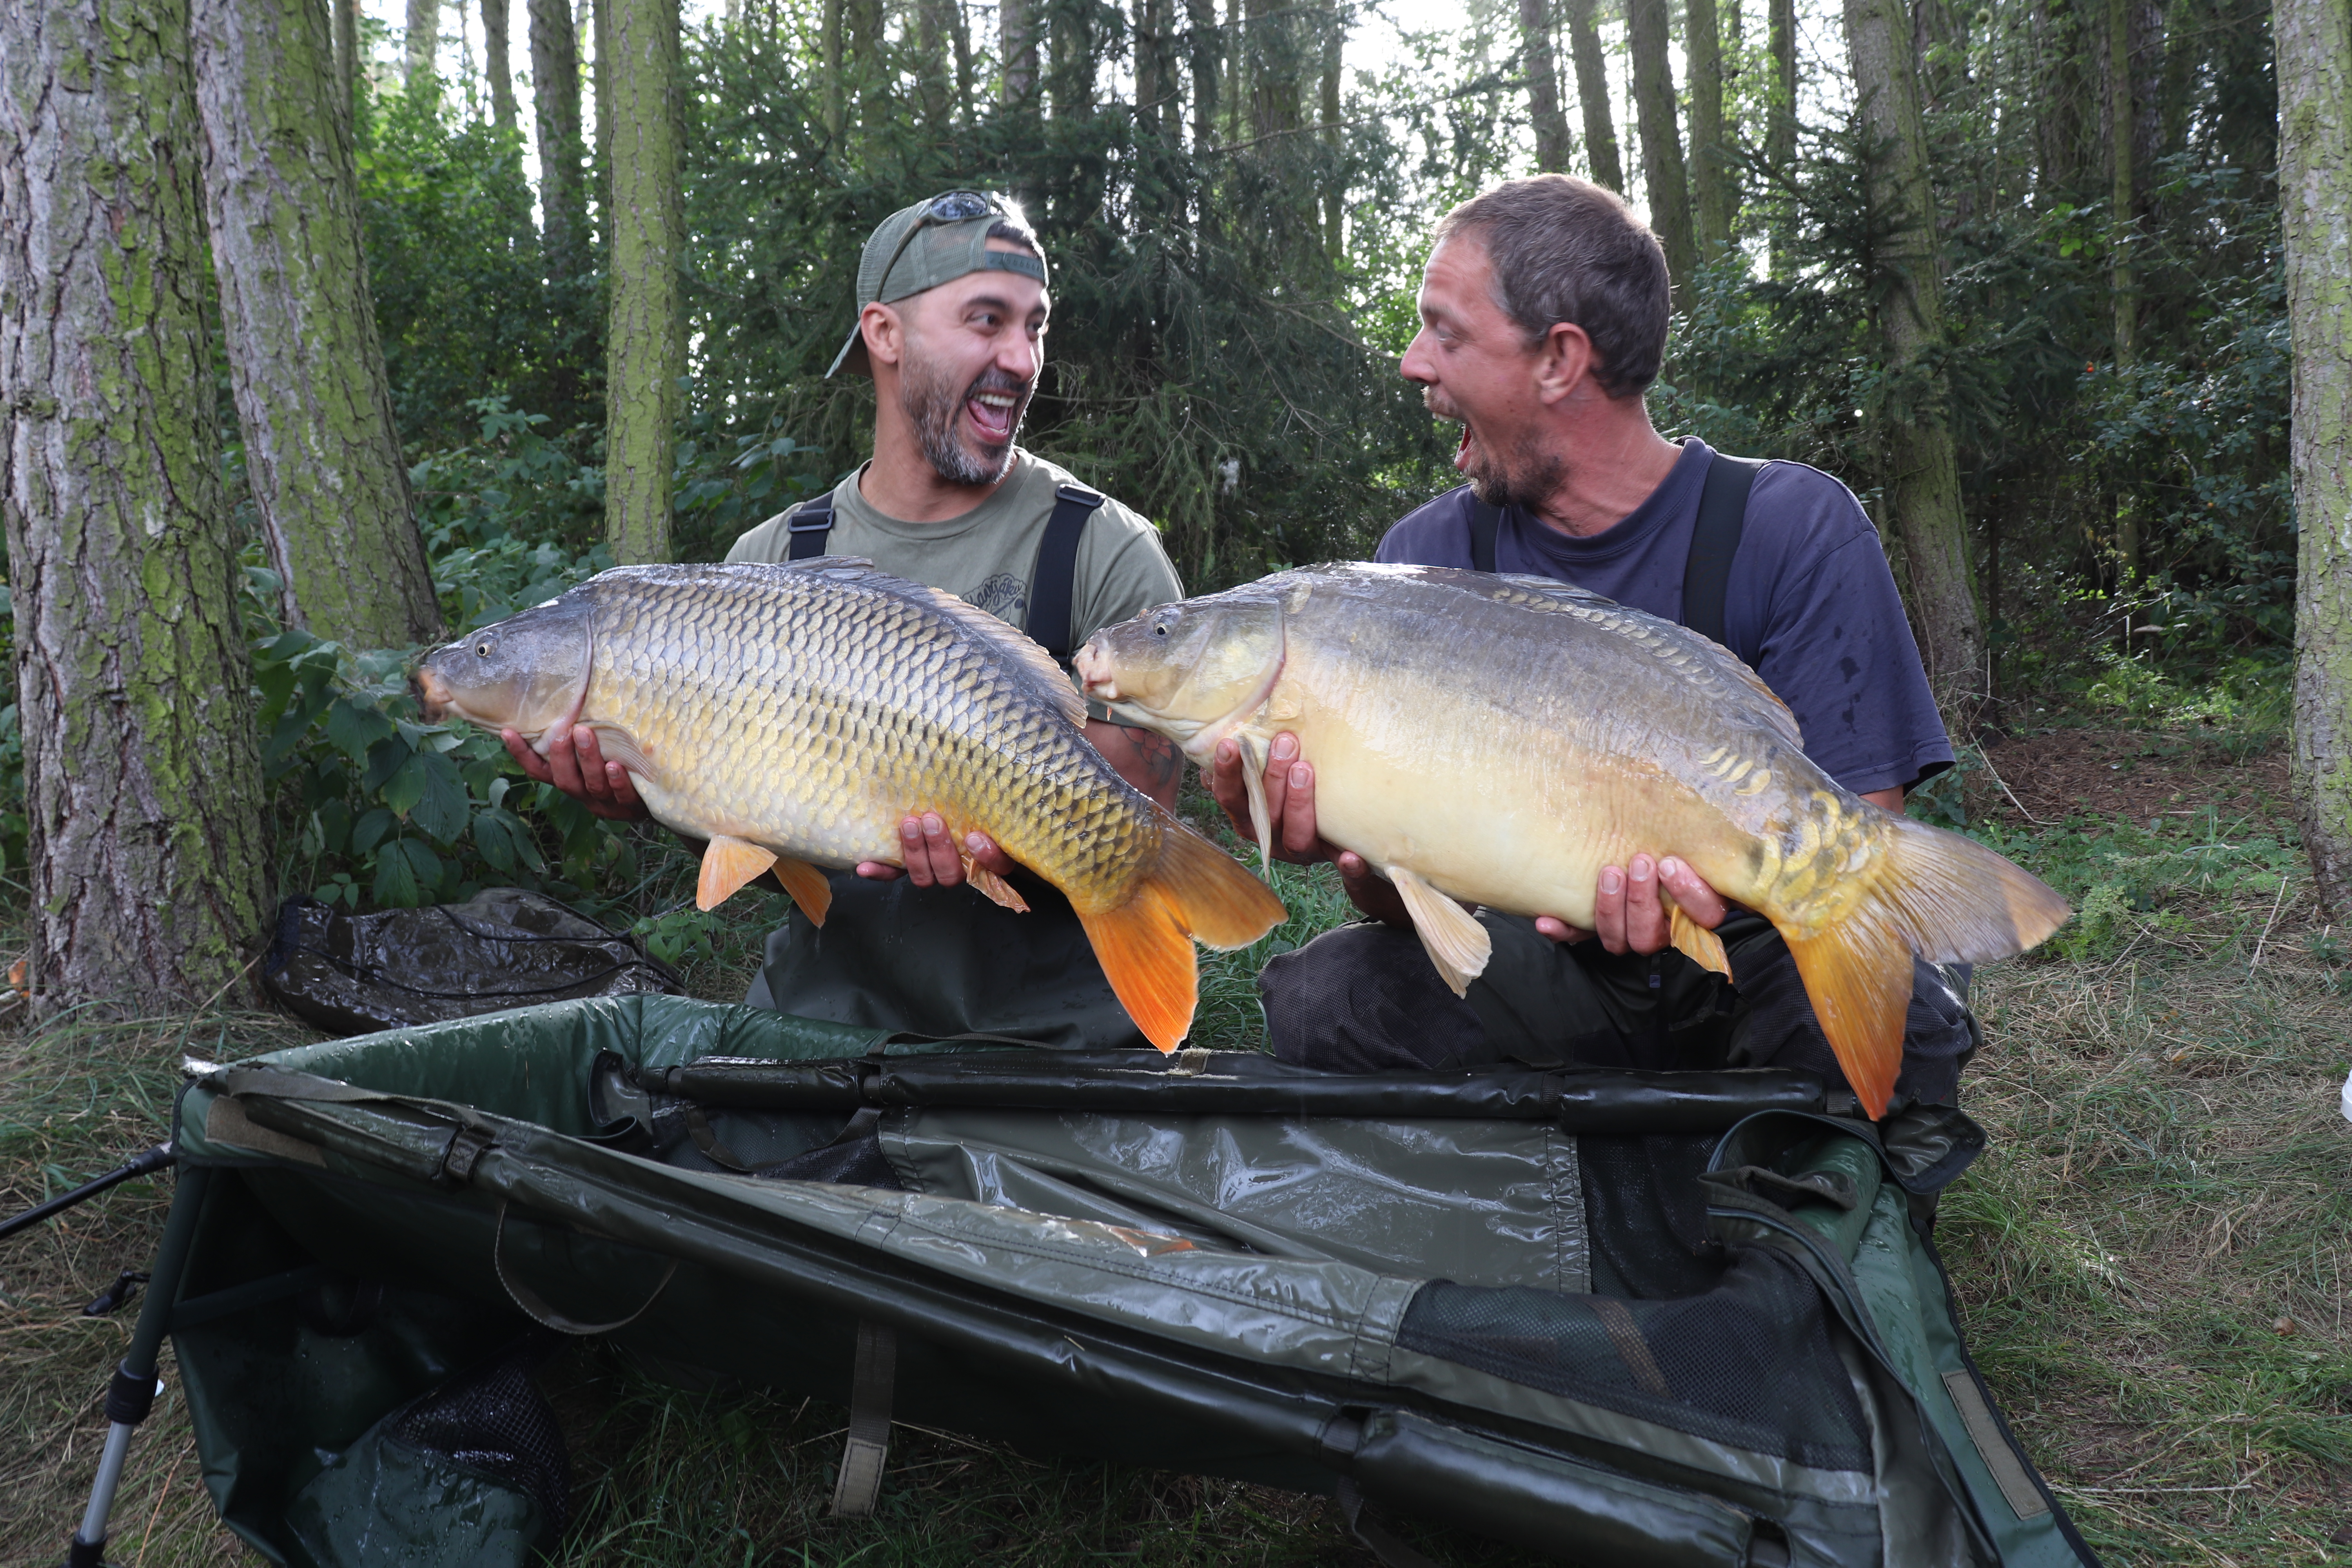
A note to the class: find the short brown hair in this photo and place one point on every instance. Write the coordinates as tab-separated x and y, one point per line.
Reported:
1565	249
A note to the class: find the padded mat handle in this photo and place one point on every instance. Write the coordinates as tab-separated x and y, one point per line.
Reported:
535	1307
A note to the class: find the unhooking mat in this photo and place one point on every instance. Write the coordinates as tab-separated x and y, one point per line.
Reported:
1618	1317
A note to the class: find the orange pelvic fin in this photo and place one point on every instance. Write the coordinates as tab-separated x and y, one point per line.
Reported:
807	885
1144	946
997	888
727	865
1695	942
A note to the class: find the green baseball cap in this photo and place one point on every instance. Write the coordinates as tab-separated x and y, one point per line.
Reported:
934	242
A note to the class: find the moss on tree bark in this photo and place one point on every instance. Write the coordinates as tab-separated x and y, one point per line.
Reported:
2315	76
321	454
1922	478
142	779
645	348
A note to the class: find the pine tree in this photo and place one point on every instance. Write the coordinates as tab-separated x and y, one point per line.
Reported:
142	779
2314	79
322	455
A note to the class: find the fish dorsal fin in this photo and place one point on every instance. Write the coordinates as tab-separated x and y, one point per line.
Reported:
1009	640
1678	645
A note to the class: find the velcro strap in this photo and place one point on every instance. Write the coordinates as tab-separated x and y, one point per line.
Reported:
859	1485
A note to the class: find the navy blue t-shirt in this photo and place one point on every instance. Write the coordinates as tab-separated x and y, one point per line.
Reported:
1811	604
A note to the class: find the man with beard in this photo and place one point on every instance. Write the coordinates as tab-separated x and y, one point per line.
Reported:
952	331
1544	311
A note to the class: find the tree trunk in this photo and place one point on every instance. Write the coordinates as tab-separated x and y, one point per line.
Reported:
1207	47
1019	47
321	454
600	29
1334	193
934	86
1151	72
347	57
2121	119
555	101
142	779
960	34
1662	143
496	15
2315	84
1710	164
1544	114
1780	130
835	108
1592	96
1922	485
643	351
423	45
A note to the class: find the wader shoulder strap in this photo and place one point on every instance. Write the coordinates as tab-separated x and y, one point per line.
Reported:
810	528
1714	539
1053	584
1485	523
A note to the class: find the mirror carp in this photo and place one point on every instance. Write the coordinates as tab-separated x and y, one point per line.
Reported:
1498	739
793	714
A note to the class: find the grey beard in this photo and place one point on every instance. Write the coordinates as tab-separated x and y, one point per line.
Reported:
1525	483
933	405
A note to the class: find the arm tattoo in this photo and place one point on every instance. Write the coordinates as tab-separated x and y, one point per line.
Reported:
1159	754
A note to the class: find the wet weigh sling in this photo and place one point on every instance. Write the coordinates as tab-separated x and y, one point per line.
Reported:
1614	1317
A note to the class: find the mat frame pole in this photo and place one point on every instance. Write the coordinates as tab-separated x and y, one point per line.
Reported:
130	1394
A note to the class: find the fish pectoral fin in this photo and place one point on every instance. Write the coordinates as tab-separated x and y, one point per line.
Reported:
1253	757
1693	941
619	746
727	865
807	885
997	888
1456	944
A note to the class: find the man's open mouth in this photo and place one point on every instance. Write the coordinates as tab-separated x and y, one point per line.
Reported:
992	414
1462	451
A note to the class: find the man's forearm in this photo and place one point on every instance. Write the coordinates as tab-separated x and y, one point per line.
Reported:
1152	762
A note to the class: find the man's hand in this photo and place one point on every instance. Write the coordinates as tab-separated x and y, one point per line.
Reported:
931	855
575	763
1289	800
1629	915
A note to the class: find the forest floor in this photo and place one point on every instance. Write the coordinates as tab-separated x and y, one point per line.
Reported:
2151	1257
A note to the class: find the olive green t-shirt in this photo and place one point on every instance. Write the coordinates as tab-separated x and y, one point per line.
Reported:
987	556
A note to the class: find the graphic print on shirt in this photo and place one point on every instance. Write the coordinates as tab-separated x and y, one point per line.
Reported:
1004	596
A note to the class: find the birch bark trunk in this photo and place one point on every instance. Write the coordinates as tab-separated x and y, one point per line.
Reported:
142	778
321	452
1923	484
2315	78
644	350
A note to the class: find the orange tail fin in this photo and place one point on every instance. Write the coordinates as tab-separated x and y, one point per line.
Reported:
1937	895
1144	946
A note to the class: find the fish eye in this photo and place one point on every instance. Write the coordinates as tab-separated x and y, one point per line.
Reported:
482	649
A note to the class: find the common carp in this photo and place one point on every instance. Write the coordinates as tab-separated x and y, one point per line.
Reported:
1500	739
793	714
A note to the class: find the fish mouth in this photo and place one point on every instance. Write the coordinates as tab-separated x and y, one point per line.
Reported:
432	699
1091	666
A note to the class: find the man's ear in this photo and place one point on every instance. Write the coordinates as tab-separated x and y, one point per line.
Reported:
1564	360
885	333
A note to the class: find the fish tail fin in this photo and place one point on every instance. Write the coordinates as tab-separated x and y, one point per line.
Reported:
1145	945
1938	895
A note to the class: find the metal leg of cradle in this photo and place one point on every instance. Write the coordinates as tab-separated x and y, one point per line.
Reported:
133	1392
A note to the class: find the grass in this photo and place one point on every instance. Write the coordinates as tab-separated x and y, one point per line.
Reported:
2152	1260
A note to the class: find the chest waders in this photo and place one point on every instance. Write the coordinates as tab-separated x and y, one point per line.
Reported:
946	960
